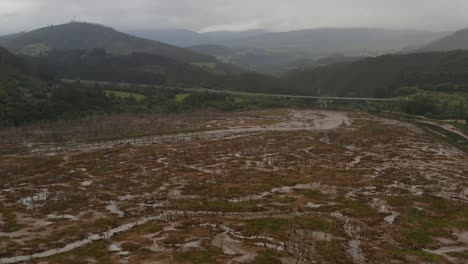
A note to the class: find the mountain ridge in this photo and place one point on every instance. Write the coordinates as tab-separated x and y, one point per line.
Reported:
187	38
456	41
382	76
83	35
349	41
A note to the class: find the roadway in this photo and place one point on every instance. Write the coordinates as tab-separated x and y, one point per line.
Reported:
367	99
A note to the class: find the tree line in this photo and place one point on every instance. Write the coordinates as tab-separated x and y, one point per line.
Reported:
30	87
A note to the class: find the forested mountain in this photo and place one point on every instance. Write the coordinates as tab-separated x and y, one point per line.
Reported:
347	41
455	41
139	68
29	92
215	50
278	52
267	62
186	38
21	94
384	76
259	60
7	59
16	70
317	42
87	36
30	89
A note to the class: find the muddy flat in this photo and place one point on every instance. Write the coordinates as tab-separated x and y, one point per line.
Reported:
283	186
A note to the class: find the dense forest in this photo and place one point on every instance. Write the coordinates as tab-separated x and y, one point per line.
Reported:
384	76
31	88
137	67
22	95
144	68
29	93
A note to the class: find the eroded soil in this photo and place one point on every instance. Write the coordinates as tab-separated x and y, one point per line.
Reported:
289	186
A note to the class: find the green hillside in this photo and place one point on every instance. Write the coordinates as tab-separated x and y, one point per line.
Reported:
78	35
29	93
137	68
279	52
455	41
21	95
384	76
346	41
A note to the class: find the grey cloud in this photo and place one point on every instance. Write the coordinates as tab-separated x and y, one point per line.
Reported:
205	15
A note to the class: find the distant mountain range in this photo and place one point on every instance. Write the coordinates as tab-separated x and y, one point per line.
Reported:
252	59
86	36
186	38
318	42
256	50
455	41
268	62
346	41
276	52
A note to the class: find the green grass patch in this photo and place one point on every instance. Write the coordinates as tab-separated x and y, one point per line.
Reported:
462	255
268	225
426	217
450	137
64	235
267	257
222	206
35	49
359	209
198	257
312	194
434	214
398	201
461	224
462	127
239	100
227	206
100	224
125	95
426	256
179	98
420	254
97	251
418	237
317	224
279	226
262	187
9	218
284	199
208	65
148	228
58	220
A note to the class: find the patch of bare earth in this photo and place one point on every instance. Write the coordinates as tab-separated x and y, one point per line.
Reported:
283	186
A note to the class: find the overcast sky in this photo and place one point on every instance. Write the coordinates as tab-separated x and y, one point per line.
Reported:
210	15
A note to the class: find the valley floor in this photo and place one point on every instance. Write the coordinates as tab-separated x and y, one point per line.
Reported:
273	186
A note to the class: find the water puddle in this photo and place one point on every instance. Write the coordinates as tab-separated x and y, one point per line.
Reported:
113	207
297	120
316	186
36	201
